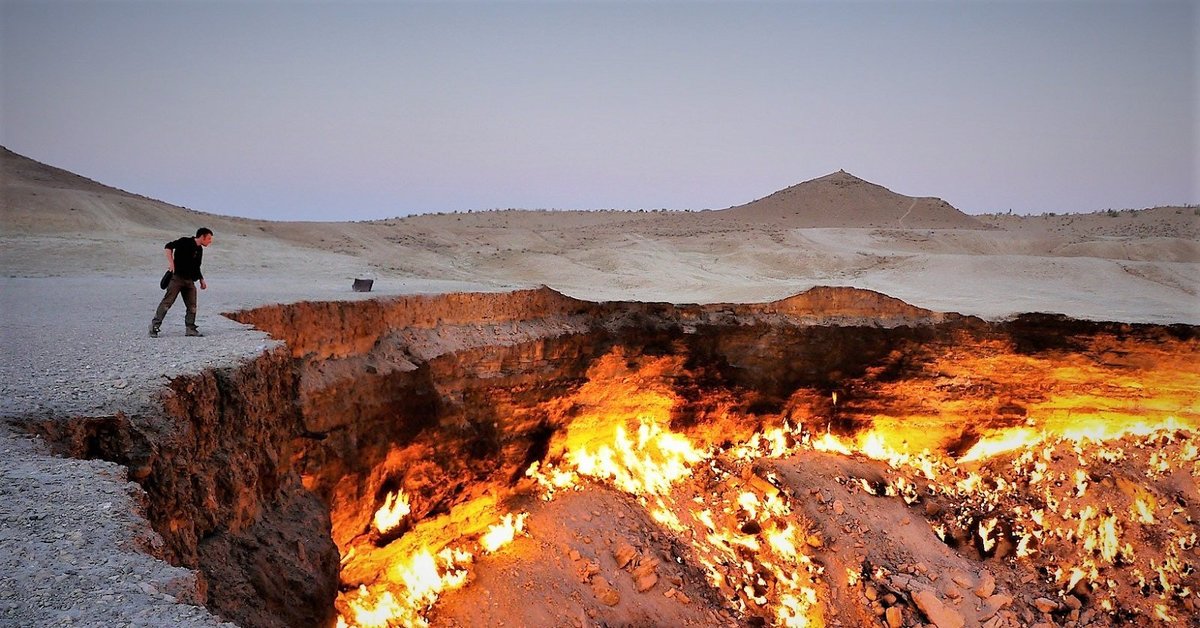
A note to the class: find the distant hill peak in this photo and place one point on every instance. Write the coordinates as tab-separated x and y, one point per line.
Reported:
841	199
841	177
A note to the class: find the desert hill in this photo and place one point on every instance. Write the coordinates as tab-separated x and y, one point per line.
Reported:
1155	222
38	199
841	199
56	223
834	230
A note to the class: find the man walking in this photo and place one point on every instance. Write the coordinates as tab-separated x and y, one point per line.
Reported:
183	260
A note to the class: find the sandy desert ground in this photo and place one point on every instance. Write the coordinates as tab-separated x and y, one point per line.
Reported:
81	262
835	230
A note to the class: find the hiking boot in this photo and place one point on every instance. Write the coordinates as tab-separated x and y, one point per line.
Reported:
192	331
153	331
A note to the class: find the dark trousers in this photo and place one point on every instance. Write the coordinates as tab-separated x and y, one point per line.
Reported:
178	286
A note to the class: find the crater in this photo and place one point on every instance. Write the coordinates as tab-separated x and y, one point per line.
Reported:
307	486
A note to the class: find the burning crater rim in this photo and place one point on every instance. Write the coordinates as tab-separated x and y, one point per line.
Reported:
454	397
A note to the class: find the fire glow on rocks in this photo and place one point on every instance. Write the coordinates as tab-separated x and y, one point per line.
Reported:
759	552
532	459
1080	508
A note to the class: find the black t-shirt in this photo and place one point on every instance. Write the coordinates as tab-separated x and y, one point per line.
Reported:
188	255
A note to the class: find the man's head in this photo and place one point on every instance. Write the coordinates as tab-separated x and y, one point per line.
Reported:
204	236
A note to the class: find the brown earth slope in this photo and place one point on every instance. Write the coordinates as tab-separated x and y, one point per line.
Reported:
841	199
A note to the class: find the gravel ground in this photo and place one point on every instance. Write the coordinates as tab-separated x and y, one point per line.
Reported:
71	531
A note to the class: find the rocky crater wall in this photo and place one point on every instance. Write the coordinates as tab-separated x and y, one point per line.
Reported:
257	475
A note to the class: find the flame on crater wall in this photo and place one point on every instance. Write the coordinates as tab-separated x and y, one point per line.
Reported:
1027	482
394	509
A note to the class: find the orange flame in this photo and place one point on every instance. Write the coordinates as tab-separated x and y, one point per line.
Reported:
395	508
745	534
503	533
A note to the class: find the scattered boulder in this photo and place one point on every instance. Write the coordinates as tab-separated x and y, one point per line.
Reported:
677	595
992	605
1045	605
624	554
605	592
987	585
645	576
940	614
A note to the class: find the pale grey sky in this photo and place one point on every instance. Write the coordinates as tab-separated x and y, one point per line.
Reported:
361	110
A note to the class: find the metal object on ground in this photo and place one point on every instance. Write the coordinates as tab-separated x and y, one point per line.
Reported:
363	285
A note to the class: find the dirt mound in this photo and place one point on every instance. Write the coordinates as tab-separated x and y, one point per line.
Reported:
840	305
844	200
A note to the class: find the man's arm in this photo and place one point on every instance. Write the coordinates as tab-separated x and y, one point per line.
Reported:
170	259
